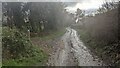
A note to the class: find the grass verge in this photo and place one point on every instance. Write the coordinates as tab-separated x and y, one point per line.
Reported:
102	49
38	57
51	35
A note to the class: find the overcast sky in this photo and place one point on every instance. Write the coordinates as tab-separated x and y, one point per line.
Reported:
54	0
88	4
82	4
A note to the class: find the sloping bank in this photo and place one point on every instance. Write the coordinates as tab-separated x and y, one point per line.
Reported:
18	50
100	34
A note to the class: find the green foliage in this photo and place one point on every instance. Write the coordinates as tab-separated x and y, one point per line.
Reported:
34	16
15	43
13	11
51	14
18	50
39	18
38	58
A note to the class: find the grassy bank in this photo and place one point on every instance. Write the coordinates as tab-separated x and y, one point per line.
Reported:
38	57
101	34
102	49
18	50
23	52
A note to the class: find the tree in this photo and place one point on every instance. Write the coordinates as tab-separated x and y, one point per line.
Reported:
28	16
107	6
13	12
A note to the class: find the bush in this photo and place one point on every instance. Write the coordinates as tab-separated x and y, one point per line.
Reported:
15	44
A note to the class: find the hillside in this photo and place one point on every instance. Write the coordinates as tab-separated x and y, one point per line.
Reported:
100	33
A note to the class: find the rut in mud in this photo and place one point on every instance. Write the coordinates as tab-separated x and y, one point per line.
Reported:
72	52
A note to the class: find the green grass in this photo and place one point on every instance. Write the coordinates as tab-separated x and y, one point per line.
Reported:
28	55
38	58
52	35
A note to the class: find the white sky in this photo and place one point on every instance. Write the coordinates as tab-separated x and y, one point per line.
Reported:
88	4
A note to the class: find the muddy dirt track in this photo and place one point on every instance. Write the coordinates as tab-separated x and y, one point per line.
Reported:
72	52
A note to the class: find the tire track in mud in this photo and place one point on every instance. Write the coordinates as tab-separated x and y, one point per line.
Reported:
72	52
